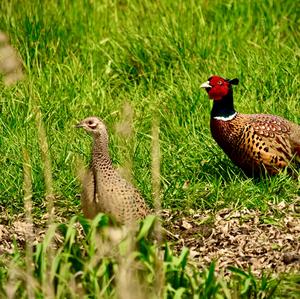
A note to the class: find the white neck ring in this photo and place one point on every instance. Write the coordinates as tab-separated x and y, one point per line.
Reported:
226	118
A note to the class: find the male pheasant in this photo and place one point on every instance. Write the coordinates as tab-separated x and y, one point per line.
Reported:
252	141
104	190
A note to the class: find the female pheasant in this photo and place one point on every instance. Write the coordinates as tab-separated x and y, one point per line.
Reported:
252	141
104	190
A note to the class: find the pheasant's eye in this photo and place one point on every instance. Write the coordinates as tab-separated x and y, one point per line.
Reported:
90	122
220	82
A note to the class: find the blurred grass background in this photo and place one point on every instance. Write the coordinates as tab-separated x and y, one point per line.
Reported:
86	58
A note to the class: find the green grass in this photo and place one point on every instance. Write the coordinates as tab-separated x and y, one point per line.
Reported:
83	58
86	58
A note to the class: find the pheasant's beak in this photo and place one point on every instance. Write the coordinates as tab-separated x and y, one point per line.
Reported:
79	125
205	85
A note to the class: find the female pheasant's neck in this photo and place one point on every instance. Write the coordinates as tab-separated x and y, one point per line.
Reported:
223	109
100	150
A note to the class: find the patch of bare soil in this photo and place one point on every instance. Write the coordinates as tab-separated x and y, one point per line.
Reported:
267	241
16	231
245	238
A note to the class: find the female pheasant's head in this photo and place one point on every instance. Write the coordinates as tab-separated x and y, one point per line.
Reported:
218	87
92	124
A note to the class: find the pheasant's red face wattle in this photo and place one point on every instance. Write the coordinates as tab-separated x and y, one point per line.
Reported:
217	87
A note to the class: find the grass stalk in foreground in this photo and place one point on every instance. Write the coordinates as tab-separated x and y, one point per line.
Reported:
47	171
27	189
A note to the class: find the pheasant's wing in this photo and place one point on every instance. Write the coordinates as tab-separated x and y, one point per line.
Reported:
270	126
268	141
135	206
128	205
140	207
283	135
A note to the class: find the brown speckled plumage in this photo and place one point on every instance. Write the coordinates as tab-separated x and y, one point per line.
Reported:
252	141
104	190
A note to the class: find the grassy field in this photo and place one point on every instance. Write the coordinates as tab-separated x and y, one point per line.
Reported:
85	58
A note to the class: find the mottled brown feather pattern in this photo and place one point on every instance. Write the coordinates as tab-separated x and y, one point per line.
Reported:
104	190
257	141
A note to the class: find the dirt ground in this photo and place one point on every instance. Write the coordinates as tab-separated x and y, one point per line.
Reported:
245	238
